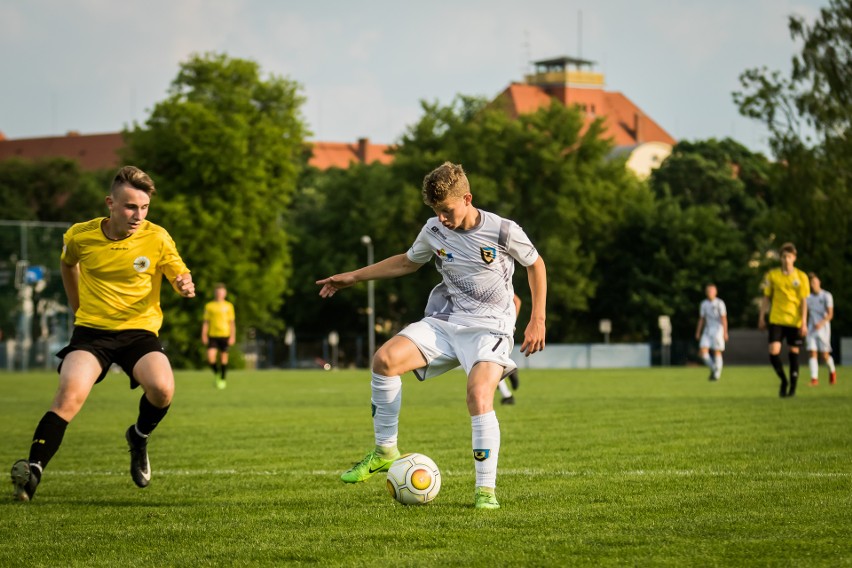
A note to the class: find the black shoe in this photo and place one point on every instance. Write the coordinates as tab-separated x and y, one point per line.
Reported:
24	481
513	378
712	376
508	400
783	392
140	467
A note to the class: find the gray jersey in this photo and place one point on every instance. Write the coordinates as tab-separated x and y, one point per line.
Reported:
713	312
818	305
476	268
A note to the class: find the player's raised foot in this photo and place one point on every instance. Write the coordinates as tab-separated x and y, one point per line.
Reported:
510	400
485	498
24	481
140	467
814	382
832	378
371	464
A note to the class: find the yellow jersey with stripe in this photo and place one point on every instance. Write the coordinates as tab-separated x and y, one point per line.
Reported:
219	316
120	280
786	292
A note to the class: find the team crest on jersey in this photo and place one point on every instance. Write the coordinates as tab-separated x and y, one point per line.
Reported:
448	256
488	254
141	264
481	455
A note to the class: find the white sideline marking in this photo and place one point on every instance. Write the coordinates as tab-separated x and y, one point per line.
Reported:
502	472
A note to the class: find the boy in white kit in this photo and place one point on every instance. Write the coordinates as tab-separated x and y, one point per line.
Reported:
820	314
469	320
712	331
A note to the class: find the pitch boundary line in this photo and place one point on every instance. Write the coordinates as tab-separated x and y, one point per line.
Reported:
502	472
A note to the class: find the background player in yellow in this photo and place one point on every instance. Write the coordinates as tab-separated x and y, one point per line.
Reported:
219	332
785	291
112	268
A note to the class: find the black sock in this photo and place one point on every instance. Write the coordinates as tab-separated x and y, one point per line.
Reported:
149	416
779	368
47	438
215	368
794	370
224	368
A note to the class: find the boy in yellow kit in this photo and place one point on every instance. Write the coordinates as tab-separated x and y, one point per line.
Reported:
786	290
219	332
112	268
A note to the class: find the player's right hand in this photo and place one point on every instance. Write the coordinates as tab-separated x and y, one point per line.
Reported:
334	283
761	324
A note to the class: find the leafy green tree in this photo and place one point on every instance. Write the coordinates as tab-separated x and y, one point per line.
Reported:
225	149
54	189
809	116
543	170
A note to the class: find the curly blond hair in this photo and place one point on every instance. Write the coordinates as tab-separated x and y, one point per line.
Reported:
444	182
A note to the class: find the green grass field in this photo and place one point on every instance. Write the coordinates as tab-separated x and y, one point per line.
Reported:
637	467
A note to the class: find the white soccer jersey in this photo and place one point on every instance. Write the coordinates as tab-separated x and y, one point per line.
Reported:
818	305
713	312
476	267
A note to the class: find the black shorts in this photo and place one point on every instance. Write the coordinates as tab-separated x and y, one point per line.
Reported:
123	348
792	335
220	343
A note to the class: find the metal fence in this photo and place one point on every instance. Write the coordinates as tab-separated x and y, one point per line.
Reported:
35	319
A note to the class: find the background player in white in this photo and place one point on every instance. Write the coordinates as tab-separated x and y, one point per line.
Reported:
470	320
820	314
712	331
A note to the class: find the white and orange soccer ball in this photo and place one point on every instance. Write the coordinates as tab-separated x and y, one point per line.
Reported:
414	479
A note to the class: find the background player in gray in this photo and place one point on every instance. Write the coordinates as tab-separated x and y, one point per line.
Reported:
820	314
712	331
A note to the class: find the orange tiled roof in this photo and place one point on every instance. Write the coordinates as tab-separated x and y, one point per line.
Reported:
625	122
98	151
92	151
326	155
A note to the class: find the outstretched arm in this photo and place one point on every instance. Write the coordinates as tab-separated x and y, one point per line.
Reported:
391	267
534	334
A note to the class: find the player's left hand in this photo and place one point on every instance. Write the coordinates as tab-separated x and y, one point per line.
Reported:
185	286
533	338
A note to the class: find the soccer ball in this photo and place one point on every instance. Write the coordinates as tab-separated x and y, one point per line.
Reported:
414	479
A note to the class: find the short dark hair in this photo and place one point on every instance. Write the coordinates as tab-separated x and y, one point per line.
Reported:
218	285
135	178
788	247
812	275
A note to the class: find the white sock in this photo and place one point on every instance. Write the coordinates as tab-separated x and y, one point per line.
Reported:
504	389
814	365
719	365
387	400
830	363
486	448
708	361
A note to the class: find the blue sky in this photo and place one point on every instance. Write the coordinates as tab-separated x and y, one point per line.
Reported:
100	65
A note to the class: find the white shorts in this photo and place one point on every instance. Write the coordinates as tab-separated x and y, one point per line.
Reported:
446	345
819	340
713	341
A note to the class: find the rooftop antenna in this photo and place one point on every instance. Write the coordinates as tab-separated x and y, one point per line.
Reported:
579	34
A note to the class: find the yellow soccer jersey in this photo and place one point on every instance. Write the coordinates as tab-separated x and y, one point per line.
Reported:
786	292
219	316
120	280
